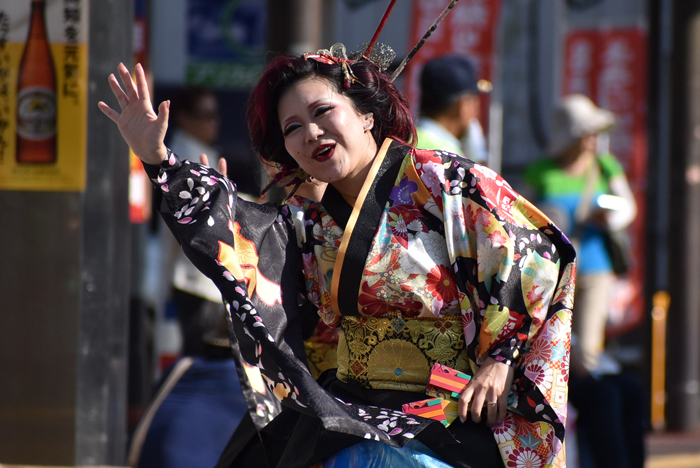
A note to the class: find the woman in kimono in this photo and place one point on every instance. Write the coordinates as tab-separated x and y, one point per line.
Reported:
416	257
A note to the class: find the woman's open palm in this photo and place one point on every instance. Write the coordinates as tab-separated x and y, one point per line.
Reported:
143	130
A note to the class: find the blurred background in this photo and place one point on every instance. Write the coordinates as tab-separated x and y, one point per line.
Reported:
87	321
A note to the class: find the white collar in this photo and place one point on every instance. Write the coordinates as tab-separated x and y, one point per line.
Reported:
432	126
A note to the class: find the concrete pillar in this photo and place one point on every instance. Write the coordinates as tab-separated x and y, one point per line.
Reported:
683	374
294	26
63	291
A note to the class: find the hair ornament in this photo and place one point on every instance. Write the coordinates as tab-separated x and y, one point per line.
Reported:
286	177
336	55
381	54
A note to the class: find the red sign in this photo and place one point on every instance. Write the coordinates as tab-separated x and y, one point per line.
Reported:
139	185
468	29
610	67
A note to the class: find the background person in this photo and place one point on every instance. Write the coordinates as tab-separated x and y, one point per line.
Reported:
611	417
189	304
194	297
198	404
197	119
560	183
449	108
567	184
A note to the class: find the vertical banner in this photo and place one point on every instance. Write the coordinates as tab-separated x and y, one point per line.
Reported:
225	42
43	94
140	190
610	67
469	29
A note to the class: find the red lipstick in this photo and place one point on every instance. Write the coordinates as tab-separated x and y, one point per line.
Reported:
323	152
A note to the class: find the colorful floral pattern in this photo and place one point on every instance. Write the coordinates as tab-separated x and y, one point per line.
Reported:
454	240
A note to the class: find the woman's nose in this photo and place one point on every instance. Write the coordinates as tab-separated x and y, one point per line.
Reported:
313	131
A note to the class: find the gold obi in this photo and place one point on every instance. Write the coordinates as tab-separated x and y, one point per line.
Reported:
320	356
397	354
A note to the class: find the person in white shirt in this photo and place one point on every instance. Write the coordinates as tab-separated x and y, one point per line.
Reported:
449	108
197	302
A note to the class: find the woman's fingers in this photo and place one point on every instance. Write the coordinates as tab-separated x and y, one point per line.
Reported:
138	123
478	403
502	408
133	91
129	85
487	392
142	83
491	408
108	111
496	410
223	167
464	400
119	93
163	113
481	406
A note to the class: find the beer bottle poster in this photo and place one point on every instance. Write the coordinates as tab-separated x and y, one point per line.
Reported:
43	94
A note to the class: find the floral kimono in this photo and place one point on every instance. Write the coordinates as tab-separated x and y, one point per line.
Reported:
439	260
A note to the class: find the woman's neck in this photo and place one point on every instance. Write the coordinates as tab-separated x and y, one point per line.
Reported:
351	186
576	163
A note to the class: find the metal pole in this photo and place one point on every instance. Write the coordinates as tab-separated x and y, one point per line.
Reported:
279	25
683	375
306	26
294	26
659	318
103	326
660	16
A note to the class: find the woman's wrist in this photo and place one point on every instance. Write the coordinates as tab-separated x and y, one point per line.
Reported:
156	157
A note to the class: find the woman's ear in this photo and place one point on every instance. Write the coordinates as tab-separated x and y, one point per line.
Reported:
369	121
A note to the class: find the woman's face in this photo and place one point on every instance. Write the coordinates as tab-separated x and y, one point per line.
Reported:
324	133
589	142
203	123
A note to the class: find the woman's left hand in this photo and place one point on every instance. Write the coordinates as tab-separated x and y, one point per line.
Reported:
488	388
223	166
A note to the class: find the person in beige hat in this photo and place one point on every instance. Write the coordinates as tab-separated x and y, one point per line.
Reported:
585	192
577	120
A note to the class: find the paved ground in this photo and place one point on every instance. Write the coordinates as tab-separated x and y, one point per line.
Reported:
665	450
673	450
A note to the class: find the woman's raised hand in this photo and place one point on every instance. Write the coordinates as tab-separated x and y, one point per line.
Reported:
143	130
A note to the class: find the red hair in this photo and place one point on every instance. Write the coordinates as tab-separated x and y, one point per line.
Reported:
374	93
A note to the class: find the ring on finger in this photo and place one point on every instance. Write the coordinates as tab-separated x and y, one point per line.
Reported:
491	403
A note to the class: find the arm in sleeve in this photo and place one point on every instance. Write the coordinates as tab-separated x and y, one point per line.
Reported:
614	174
251	254
620	219
508	256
